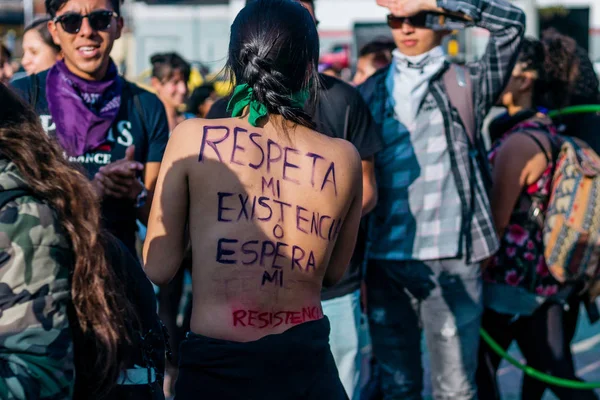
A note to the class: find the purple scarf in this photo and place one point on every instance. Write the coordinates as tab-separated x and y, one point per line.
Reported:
82	110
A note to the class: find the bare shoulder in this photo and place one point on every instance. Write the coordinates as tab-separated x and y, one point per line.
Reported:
340	149
520	156
522	145
187	137
347	154
188	130
347	148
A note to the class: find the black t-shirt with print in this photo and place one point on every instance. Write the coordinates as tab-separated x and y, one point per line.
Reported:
149	137
340	113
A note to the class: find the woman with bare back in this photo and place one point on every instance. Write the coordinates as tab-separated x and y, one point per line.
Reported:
273	210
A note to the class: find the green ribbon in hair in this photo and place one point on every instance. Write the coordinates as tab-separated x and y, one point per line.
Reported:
242	97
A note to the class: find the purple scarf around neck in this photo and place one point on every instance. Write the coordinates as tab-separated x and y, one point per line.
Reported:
82	110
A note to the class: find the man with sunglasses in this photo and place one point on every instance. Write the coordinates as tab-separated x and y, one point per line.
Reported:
116	131
432	227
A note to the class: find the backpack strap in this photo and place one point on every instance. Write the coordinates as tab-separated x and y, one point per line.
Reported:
459	87
6	196
130	87
140	110
555	148
540	145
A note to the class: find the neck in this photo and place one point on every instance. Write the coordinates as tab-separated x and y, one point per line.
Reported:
524	103
514	109
172	117
273	122
93	76
435	51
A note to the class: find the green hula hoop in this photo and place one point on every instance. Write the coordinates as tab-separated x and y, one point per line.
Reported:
552	380
584	109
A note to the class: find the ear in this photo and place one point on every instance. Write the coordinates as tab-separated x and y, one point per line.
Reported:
53	29
527	81
120	25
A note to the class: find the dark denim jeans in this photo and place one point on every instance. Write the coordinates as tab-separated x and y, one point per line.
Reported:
443	299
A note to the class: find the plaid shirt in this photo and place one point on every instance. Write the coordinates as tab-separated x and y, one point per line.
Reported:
506	24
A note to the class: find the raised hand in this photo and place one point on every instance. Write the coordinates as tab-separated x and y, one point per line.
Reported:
407	8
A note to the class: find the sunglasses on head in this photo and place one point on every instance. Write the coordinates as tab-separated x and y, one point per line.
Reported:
418	20
100	20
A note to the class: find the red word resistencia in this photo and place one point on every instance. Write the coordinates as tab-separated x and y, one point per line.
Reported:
268	319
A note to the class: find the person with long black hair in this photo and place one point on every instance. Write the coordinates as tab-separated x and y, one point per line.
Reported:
78	317
273	209
522	300
342	113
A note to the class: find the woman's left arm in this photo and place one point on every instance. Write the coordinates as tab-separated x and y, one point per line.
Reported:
164	246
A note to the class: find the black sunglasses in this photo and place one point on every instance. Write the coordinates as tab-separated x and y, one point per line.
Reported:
418	20
99	20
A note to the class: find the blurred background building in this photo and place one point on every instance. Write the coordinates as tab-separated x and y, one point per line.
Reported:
199	29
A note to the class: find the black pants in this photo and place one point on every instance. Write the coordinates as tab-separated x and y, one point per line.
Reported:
544	339
294	365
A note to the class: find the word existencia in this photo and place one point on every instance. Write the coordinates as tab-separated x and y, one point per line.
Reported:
233	207
263	320
272	155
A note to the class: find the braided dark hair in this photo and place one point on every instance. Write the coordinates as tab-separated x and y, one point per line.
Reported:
274	48
555	62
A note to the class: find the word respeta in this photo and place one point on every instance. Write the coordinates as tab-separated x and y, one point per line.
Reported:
272	155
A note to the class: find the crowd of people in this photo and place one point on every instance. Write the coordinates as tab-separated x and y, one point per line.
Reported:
304	210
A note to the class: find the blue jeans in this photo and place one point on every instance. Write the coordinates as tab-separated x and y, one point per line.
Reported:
443	299
345	339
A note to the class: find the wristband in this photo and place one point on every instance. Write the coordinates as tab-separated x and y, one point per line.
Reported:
141	198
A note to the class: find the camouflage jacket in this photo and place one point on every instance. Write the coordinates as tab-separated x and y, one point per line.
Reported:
36	351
